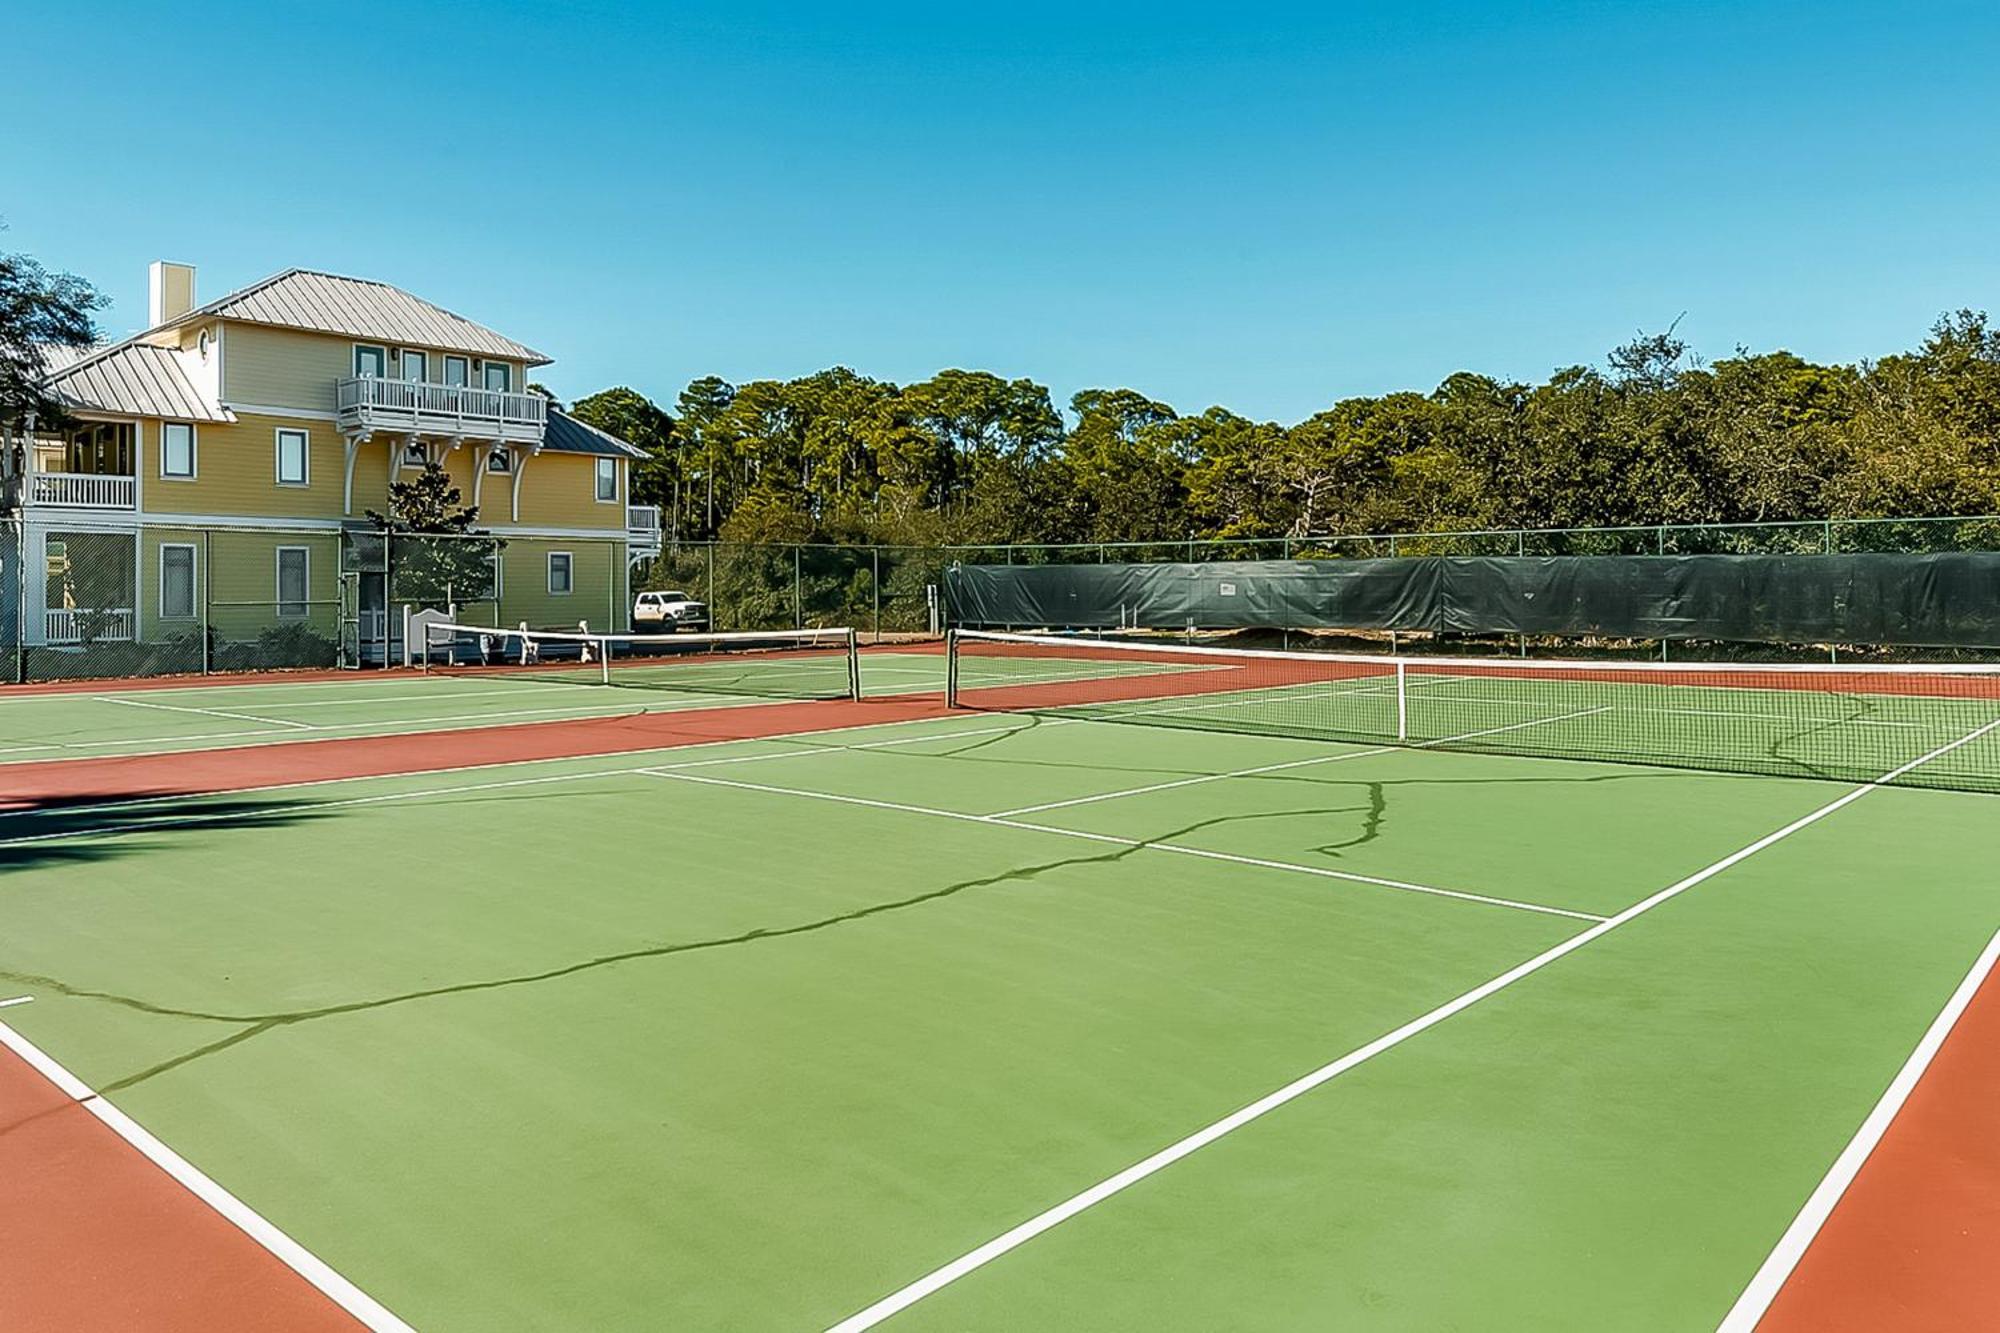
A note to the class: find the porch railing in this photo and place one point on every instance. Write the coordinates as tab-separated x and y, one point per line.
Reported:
374	403
111	625
83	490
642	527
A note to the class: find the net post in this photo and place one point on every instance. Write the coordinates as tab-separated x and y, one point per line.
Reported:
604	659
1402	700
853	664
951	668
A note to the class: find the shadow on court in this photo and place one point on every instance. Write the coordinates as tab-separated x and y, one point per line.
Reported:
68	832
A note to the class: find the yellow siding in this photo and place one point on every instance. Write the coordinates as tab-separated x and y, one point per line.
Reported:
236	472
597	581
269	367
236	583
560	491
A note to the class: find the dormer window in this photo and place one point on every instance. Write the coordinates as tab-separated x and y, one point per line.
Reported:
371	362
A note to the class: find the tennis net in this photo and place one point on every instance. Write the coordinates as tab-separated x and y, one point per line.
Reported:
777	664
1847	723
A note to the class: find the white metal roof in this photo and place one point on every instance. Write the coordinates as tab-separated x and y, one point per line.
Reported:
133	379
328	303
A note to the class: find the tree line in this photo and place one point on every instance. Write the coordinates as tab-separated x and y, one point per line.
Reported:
1652	436
968	457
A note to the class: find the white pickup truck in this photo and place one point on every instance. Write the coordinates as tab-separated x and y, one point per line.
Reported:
665	612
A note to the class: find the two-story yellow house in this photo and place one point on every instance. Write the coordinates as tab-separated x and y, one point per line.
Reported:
238	445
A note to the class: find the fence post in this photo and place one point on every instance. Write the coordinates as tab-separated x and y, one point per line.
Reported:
207	591
798	596
712	616
875	585
20	530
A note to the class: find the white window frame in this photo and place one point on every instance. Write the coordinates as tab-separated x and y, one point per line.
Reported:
464	380
194	451
506	384
421	357
194	580
304	603
598	480
305	456
569	574
381	355
416	453
503	455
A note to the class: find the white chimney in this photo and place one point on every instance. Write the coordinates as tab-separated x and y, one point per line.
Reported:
169	292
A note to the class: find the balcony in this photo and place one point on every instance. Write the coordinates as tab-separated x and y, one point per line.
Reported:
642	529
370	404
83	490
73	490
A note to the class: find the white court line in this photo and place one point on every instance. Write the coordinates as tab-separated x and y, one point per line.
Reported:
287	1251
292	728
437	694
184	708
1137	843
1296	763
18	999
195	816
179	798
1770	1278
1017	1236
406	726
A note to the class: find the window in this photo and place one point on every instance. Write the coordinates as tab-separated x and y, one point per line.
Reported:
499	376
294	563
292	458
500	460
177	450
371	362
416	366
607	479
559	572
415	454
455	372
176	582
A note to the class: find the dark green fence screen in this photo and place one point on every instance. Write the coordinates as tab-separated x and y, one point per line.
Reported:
1947	599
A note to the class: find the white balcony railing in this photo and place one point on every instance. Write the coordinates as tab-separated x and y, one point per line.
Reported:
111	625
370	403
642	529
82	490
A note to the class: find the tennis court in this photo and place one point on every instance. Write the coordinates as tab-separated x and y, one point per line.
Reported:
1137	991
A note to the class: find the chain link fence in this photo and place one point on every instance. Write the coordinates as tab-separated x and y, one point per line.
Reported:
80	601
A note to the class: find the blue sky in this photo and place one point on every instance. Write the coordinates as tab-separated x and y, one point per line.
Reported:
1268	207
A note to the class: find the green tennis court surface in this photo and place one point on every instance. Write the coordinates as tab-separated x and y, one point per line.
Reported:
114	721
56	726
757	1035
